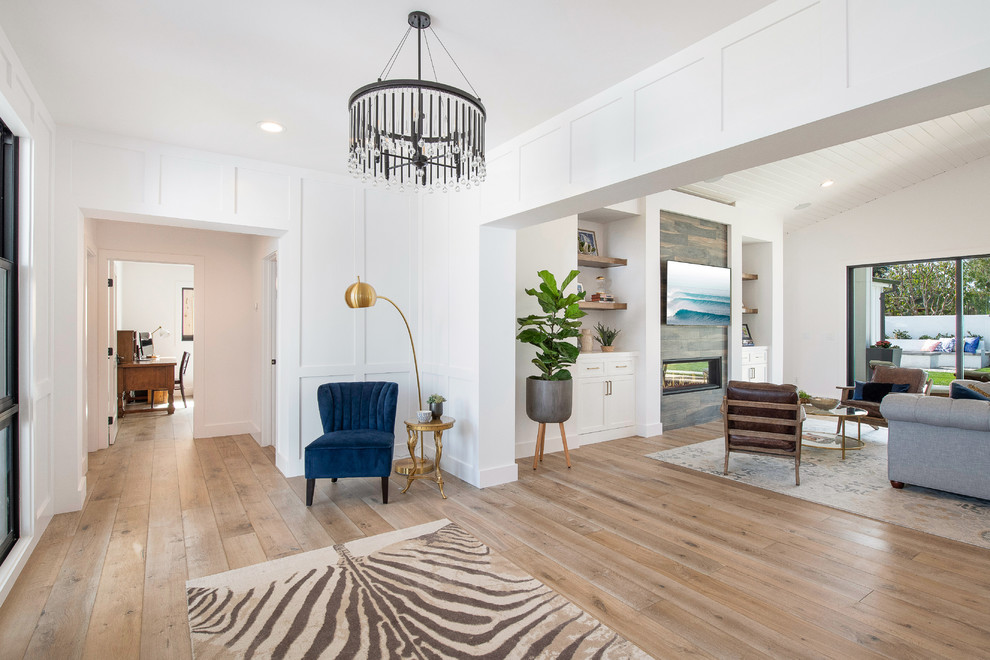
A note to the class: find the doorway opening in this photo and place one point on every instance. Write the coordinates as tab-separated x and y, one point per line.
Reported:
150	324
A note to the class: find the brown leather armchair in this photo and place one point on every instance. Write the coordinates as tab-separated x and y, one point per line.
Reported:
917	381
763	418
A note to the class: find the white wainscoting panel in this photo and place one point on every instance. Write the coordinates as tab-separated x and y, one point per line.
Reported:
329	225
465	278
888	37
601	140
390	244
755	75
674	108
262	197
501	187
109	174
436	287
543	164
191	187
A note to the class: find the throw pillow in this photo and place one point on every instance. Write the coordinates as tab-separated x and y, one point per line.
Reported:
947	345
960	391
900	388
930	345
858	391
876	391
969	346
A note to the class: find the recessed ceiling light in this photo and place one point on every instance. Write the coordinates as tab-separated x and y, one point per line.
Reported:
827	182
271	126
802	206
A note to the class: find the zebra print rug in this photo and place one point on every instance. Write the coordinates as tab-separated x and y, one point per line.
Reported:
431	591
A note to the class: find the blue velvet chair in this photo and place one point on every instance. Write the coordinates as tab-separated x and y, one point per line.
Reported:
358	434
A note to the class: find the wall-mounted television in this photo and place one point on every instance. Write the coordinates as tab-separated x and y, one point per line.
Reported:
697	295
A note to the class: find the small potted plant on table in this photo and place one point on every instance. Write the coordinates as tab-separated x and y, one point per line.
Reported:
436	405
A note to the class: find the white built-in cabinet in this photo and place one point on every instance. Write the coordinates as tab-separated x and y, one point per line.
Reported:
605	395
754	363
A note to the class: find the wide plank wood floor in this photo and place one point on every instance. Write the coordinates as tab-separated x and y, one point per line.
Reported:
679	562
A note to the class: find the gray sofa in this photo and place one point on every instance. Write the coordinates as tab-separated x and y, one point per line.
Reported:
939	443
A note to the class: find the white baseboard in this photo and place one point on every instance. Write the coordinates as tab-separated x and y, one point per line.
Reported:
230	428
289	467
649	430
609	434
497	475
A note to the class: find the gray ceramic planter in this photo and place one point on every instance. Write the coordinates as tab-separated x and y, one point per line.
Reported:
549	401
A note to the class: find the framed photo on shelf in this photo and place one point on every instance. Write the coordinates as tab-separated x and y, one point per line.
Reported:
747	337
587	244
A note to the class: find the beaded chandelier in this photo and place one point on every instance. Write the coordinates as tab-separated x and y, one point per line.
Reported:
417	134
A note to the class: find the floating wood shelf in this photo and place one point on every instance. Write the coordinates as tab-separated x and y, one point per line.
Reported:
748	277
750	310
601	305
589	261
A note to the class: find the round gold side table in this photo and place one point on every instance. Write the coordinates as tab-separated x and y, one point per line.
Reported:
423	468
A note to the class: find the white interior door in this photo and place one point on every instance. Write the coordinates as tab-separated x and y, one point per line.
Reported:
269	386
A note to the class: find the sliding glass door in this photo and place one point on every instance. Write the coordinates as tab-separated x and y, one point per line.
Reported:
9	510
930	314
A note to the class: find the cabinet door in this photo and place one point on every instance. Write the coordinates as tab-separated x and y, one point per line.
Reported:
620	405
590	402
756	373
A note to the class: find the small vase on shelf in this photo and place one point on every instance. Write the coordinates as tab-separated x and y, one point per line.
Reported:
587	342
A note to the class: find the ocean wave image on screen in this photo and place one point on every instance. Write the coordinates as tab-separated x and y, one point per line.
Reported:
698	308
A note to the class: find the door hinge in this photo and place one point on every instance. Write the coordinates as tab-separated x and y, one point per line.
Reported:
109	421
110	351
110	281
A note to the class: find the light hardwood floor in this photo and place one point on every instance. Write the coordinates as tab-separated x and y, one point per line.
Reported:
679	562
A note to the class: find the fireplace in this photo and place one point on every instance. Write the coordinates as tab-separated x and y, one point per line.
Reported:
691	375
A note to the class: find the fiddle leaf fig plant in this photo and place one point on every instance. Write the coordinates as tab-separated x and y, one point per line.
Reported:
550	331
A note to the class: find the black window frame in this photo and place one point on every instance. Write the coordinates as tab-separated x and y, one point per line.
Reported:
850	311
9	175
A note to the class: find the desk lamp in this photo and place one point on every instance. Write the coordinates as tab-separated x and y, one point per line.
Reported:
165	333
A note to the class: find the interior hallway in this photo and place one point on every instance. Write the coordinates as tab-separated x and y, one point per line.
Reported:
677	561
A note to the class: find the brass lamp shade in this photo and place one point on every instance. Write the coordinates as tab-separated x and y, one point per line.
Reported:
360	294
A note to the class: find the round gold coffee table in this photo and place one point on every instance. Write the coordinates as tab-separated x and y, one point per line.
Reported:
838	439
422	467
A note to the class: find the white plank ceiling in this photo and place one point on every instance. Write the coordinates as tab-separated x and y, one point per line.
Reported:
863	170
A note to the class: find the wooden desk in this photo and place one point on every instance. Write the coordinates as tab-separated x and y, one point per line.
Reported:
152	374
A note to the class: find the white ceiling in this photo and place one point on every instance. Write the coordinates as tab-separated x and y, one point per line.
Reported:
202	73
863	170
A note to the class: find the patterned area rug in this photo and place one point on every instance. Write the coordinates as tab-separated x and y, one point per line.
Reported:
429	591
858	484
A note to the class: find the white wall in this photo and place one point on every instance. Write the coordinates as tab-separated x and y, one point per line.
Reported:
941	217
326	229
151	296
549	246
24	112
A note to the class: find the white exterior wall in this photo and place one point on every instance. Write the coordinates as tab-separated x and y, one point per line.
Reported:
902	224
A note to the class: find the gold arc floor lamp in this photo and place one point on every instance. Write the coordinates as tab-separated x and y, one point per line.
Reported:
361	295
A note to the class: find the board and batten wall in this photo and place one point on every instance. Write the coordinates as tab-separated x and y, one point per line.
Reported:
327	230
23	111
695	241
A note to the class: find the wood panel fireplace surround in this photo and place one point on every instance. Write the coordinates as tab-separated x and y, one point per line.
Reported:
691	375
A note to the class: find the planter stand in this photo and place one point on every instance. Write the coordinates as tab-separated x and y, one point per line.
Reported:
540	436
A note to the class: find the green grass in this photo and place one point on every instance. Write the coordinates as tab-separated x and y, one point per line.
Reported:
946	377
